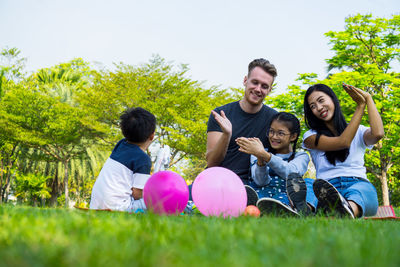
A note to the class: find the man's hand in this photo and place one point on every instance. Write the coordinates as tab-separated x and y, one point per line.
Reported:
223	122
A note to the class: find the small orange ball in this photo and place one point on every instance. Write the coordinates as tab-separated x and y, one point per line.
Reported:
252	210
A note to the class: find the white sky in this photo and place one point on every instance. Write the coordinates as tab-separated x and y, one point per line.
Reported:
216	38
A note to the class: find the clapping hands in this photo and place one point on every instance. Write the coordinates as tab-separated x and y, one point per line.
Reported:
359	96
252	145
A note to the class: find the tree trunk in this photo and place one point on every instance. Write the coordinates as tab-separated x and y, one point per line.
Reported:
78	192
7	187
66	184
385	166
54	191
1	182
10	163
385	190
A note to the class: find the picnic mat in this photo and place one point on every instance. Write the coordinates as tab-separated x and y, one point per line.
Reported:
384	213
87	209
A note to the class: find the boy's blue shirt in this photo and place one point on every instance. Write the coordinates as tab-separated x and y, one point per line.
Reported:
132	157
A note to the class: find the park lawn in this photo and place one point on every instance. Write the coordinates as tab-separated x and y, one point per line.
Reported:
59	237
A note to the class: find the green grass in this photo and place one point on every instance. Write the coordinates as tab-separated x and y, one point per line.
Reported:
59	237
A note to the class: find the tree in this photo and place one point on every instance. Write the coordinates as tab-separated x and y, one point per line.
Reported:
11	71
369	47
35	115
65	81
31	187
12	64
180	104
82	171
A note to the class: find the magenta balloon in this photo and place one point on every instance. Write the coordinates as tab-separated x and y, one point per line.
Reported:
218	191
166	192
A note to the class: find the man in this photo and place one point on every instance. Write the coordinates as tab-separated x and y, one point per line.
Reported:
247	117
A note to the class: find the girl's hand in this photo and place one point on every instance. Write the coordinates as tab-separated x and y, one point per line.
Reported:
358	95
251	145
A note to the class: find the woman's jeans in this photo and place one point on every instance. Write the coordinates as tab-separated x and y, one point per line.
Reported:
358	190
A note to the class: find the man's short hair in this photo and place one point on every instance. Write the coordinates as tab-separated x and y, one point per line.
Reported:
265	65
137	124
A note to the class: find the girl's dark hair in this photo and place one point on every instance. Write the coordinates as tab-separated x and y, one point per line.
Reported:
319	126
292	123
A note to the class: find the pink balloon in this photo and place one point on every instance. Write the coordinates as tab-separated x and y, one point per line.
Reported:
166	192
218	191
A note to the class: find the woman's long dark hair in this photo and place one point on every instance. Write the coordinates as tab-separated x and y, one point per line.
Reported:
292	123
319	126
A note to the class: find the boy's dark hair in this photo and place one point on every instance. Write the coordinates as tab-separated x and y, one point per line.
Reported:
292	123
137	124
265	65
339	122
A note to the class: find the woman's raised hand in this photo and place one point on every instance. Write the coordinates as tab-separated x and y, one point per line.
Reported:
358	95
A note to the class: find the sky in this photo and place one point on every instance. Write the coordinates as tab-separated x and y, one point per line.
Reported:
217	39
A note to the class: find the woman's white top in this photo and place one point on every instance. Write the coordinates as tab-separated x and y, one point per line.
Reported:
352	166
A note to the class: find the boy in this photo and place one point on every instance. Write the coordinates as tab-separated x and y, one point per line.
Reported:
120	183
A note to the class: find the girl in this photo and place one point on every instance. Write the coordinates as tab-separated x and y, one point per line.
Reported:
277	170
337	150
